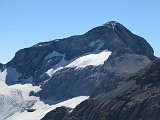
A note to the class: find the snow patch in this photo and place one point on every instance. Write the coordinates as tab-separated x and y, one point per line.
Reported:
58	66
53	54
99	47
16	97
94	43
42	109
111	24
25	88
97	42
94	58
15	100
91	59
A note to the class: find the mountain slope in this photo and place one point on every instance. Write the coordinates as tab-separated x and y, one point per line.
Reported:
136	98
91	64
115	38
81	65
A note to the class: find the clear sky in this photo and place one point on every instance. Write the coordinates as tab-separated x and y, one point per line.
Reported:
24	23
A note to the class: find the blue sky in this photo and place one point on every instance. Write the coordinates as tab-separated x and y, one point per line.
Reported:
24	23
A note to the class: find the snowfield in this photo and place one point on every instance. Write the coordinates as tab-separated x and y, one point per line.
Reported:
93	58
15	100
16	97
42	109
90	59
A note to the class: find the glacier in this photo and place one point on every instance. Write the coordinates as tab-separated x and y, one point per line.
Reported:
16	103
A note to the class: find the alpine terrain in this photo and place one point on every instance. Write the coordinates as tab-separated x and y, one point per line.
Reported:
113	71
135	98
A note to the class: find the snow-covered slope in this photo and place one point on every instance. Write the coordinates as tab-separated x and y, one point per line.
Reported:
92	58
42	109
15	102
16	97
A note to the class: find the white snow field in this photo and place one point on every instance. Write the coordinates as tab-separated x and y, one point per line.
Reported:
90	59
93	58
42	109
15	100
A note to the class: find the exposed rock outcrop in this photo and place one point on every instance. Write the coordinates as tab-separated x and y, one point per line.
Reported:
57	114
135	98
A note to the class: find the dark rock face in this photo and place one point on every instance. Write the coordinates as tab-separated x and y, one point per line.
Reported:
27	60
130	53
123	107
57	114
151	76
129	101
71	82
31	110
2	67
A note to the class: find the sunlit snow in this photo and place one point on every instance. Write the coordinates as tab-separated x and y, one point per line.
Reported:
42	109
93	58
53	54
15	100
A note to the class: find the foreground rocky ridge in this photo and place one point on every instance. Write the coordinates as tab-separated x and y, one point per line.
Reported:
135	98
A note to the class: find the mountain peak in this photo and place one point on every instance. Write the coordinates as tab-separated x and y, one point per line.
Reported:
111	24
78	66
112	36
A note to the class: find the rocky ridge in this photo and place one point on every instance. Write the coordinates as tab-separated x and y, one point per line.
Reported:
135	98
